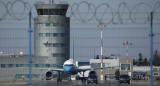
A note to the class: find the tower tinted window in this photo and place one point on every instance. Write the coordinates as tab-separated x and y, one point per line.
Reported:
47	24
58	55
51	11
45	11
40	11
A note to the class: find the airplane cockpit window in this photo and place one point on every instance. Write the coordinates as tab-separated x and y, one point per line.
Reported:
68	65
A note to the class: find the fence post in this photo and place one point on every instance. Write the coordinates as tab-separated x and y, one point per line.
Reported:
151	49
30	51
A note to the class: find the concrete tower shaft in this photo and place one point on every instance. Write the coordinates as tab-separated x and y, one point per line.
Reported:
52	32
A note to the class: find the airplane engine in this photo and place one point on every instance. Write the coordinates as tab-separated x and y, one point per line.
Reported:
77	64
49	75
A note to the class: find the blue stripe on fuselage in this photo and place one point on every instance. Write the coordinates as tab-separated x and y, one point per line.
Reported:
68	68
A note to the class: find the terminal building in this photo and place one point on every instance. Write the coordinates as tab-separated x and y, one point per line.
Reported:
124	66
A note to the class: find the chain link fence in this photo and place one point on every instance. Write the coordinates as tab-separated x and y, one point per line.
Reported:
124	23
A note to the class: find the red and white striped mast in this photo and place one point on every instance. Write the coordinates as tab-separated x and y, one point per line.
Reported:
101	24
127	44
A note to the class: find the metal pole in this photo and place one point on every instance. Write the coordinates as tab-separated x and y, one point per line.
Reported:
101	54
151	50
73	50
30	52
127	44
47	54
101	24
127	49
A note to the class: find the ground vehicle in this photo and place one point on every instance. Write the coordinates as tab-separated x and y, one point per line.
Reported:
92	79
124	78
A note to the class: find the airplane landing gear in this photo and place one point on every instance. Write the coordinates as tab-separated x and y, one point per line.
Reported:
83	80
69	79
59	80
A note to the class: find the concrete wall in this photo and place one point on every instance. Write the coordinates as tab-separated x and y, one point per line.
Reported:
106	62
126	61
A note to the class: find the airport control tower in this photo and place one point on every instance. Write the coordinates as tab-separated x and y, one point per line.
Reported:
52	32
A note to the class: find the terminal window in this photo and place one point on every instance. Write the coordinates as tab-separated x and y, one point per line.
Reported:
17	65
47	34
125	67
40	34
55	24
47	65
26	65
55	34
40	25
10	65
2	65
47	24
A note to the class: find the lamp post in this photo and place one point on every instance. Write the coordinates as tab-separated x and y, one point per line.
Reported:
127	44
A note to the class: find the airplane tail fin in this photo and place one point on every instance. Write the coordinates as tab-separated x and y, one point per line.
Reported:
71	59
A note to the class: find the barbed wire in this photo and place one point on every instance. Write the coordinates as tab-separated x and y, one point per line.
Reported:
139	13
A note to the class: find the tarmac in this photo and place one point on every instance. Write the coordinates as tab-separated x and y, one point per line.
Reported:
77	83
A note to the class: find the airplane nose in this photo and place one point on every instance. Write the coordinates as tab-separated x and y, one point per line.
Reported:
68	68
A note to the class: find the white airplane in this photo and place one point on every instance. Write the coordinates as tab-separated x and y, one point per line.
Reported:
69	68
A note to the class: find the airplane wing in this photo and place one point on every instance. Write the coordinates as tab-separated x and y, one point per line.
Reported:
79	70
57	69
85	68
106	67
